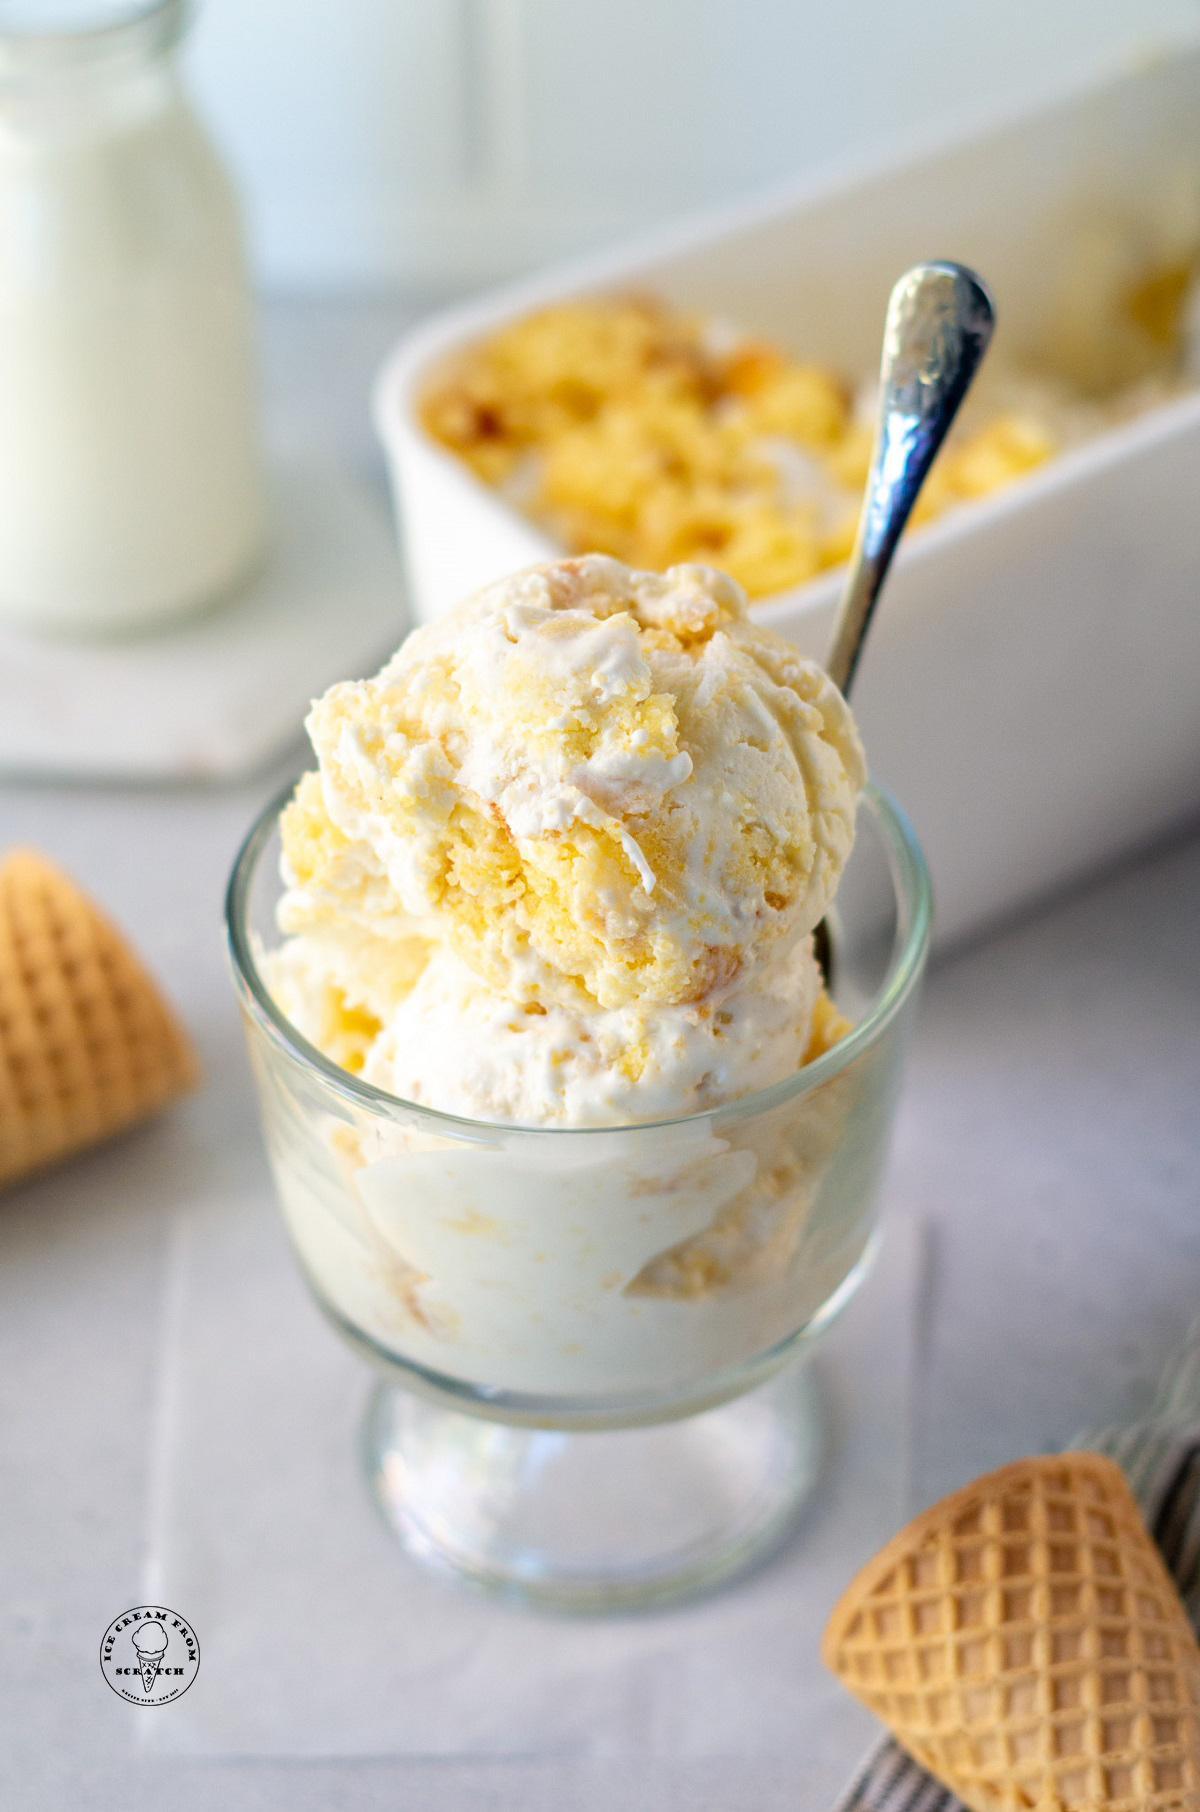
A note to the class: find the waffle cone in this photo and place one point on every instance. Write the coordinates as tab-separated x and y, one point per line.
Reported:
87	1044
1023	1640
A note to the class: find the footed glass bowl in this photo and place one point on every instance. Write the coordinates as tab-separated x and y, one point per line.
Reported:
589	1343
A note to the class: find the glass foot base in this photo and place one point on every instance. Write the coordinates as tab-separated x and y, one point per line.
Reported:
592	1521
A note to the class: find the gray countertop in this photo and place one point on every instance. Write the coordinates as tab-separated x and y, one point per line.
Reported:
1049	1135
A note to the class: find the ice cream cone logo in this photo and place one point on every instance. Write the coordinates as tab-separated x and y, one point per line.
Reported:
149	1655
150	1641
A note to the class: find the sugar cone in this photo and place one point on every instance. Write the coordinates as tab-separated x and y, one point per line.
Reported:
1024	1641
87	1044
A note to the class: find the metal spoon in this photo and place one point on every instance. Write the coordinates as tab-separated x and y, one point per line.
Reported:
939	322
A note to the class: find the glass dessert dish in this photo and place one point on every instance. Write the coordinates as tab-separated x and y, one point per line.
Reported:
591	1343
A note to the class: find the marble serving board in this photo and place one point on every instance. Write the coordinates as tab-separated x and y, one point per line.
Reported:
218	694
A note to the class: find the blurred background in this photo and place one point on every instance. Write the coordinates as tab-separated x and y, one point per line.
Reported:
1031	696
435	145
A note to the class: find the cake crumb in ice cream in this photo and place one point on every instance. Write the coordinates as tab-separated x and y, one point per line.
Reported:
562	856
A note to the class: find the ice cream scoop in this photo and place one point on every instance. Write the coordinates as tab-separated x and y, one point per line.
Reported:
562	856
150	1643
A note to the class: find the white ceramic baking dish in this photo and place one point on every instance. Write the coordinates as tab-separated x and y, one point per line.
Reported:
1032	688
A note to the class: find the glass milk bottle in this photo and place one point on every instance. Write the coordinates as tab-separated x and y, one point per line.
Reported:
131	489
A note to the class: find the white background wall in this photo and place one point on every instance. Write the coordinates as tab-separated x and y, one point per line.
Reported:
434	144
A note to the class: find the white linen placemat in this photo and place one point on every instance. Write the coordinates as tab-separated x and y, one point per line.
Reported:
320	1638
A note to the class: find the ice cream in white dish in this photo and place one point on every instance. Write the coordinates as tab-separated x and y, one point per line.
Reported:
558	868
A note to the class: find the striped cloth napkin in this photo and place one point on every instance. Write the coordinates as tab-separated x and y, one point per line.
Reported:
1160	1456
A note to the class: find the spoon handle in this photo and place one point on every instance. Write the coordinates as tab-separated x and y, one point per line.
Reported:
939	321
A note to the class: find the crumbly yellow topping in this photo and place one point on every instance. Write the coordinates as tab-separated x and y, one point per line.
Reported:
626	427
829	1027
600	787
619	427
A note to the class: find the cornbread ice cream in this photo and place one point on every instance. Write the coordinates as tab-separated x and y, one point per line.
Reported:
658	436
558	869
562	857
